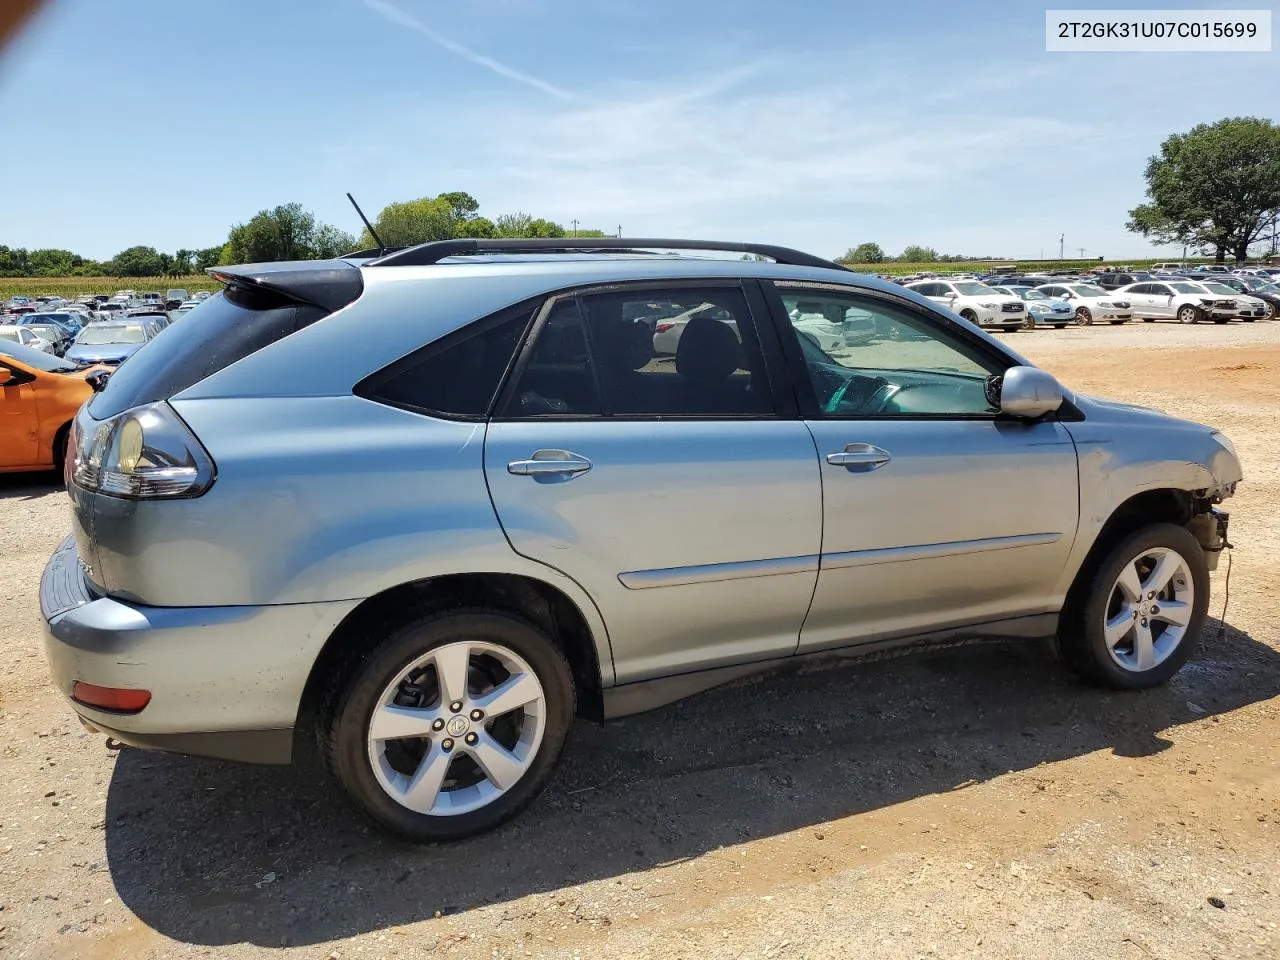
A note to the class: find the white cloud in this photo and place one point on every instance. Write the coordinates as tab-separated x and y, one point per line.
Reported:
394	14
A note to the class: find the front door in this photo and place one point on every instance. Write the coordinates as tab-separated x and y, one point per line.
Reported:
936	512
664	481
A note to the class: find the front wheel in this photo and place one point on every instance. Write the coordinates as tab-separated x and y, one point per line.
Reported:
452	725
1083	316
1188	314
1221	320
969	315
1140	615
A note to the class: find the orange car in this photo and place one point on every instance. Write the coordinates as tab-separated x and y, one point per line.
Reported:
39	396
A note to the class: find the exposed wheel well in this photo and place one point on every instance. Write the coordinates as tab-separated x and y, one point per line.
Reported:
1140	510
542	604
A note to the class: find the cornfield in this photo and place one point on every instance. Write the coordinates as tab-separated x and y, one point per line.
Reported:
72	287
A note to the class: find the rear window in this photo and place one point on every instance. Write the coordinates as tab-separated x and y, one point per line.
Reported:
226	328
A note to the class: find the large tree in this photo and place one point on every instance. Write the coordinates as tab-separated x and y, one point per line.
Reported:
414	221
917	254
1216	187
136	262
864	253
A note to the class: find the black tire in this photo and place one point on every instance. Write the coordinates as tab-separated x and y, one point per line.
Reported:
1221	320
60	448
1116	323
1059	326
1081	638
969	315
1083	317
343	732
1248	319
1189	314
1148	319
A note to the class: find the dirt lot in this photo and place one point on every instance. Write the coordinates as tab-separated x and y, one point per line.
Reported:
972	803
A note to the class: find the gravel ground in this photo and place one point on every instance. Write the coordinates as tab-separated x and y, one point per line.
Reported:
970	803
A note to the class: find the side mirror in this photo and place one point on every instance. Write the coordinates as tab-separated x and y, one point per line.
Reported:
6	376
1029	393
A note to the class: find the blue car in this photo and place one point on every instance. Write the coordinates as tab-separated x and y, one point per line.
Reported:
111	342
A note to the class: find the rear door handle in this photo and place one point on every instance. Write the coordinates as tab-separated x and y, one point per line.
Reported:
859	457
550	463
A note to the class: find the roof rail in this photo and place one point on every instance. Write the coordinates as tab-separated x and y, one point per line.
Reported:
425	254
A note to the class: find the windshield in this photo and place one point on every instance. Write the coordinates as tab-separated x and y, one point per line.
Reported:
1031	295
48	318
112	333
1221	288
1087	290
974	289
35	359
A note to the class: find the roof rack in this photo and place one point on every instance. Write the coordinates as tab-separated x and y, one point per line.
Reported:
425	254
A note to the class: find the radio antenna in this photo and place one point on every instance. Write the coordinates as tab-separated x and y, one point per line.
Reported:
368	226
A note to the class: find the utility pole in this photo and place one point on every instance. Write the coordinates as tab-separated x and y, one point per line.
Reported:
575	227
1081	249
619	231
1061	239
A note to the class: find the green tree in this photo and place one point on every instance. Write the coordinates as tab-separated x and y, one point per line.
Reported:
1214	187
284	233
329	242
918	254
463	206
182	262
482	228
207	257
864	253
413	221
14	262
52	263
135	262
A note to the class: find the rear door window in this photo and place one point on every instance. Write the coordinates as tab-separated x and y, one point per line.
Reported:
679	352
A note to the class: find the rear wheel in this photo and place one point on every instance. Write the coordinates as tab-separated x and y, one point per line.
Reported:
452	725
60	449
1140	615
1083	316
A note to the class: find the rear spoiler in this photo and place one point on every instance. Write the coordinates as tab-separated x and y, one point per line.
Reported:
328	284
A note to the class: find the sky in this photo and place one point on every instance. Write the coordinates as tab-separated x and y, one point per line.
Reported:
810	123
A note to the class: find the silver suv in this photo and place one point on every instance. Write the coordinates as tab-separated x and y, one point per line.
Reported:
431	505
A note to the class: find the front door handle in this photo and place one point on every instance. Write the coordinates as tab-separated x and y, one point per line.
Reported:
550	463
859	457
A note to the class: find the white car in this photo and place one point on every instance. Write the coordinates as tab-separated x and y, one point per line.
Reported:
1089	302
1186	301
667	332
1244	307
26	337
1042	311
975	302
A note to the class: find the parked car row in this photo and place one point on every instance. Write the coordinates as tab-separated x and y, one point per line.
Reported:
1025	301
92	329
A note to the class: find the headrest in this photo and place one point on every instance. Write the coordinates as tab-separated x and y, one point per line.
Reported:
708	350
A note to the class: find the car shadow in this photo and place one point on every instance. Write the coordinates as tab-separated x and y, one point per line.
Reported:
29	486
215	853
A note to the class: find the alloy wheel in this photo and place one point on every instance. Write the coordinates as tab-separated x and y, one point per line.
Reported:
1083	316
1148	609
457	728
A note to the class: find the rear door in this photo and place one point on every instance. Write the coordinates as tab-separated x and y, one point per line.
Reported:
672	487
937	512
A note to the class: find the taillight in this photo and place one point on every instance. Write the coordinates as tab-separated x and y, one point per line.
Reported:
147	453
663	327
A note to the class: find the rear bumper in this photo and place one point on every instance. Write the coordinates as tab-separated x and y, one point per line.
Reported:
225	681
